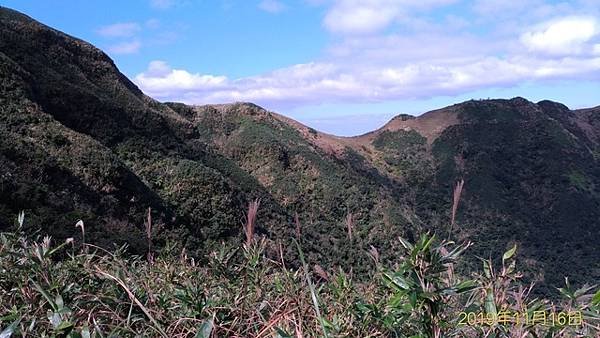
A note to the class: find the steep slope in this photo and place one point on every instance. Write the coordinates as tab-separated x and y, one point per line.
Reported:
58	174
530	170
588	120
196	173
322	187
532	176
79	135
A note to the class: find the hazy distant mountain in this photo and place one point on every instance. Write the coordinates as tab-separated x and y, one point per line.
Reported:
78	140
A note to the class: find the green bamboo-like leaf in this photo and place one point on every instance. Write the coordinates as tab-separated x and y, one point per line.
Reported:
31	325
65	327
490	304
54	319
413	299
46	295
583	290
590	315
596	298
21	218
428	242
511	267
453	255
487	269
397	281
406	244
59	302
8	331
51	252
205	329
85	332
311	287
465	286
508	254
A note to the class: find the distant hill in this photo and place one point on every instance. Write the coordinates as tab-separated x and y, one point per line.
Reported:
78	140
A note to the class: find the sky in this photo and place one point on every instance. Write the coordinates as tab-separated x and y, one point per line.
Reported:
343	66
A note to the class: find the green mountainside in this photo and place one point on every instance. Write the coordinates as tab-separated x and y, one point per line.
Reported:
531	176
78	140
81	141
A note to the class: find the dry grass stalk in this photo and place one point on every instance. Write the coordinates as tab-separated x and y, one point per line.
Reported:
456	198
349	224
183	257
449	280
133	298
281	255
298	226
80	224
148	224
298	326
321	272
374	254
251	220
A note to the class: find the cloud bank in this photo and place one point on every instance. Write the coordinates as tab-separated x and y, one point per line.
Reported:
398	49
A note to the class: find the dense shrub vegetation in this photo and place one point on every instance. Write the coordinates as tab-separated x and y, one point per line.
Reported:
74	289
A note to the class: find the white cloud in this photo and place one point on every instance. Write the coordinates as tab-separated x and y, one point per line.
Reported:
271	6
162	81
399	48
119	30
369	16
354	17
315	83
158	68
393	50
128	47
563	36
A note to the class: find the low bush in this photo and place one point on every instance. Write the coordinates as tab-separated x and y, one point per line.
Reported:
72	289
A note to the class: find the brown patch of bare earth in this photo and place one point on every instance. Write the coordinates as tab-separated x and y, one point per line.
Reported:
430	125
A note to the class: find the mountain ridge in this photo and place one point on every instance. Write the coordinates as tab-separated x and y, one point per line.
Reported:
81	141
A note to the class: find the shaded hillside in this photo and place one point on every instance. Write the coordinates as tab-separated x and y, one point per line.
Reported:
536	173
531	175
79	140
104	152
322	187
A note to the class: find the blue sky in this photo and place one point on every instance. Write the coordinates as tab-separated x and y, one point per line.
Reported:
343	66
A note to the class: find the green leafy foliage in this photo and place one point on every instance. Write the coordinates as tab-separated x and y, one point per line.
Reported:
62	290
